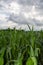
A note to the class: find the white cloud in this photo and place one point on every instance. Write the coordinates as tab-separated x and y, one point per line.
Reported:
21	12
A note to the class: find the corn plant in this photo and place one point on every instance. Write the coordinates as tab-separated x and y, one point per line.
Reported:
19	47
32	60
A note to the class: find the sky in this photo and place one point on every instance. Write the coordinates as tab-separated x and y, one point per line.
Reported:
19	13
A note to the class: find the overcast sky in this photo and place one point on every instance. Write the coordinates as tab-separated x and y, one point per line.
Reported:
19	13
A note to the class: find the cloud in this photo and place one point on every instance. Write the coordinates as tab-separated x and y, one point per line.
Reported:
37	3
21	12
25	2
21	19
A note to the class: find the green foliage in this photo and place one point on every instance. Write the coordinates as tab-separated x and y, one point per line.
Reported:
19	47
1	56
29	62
1	61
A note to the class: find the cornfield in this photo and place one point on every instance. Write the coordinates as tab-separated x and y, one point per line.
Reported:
19	47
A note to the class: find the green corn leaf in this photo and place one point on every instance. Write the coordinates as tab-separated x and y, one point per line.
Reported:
34	60
1	61
19	59
19	62
31	51
29	62
2	52
37	50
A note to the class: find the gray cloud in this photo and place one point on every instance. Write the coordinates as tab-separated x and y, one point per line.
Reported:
28	2
37	3
26	7
37	22
39	7
25	2
6	1
20	19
